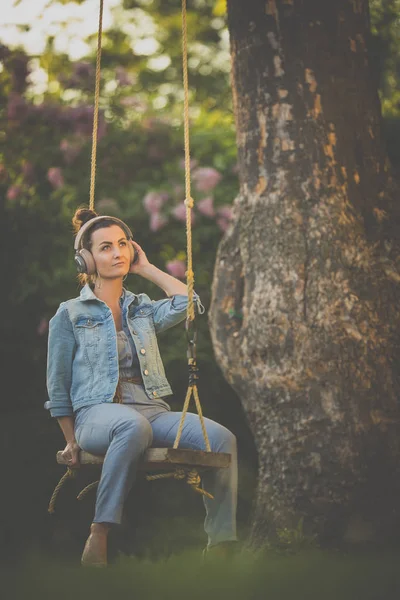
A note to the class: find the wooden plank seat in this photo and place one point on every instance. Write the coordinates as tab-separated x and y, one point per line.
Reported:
156	459
179	463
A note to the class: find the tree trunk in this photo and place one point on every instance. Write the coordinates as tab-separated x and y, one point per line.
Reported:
304	314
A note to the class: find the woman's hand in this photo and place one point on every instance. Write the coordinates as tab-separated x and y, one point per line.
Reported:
71	454
142	260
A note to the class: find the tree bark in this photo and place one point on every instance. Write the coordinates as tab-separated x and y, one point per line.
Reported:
304	315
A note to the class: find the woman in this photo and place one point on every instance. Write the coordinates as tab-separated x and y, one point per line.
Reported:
106	381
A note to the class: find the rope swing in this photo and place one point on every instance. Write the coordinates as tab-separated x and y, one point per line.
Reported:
185	470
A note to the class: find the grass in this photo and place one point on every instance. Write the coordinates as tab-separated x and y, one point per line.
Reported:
309	575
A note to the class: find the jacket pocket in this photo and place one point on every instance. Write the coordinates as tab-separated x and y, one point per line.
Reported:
88	330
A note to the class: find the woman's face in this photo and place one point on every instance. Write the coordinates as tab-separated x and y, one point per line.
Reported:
111	252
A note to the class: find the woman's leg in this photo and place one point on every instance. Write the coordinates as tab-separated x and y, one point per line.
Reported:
123	435
220	522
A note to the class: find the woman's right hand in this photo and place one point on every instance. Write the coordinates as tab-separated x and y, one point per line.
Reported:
71	454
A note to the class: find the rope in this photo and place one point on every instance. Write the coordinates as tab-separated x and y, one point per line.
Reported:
189	202
87	489
191	475
96	109
70	474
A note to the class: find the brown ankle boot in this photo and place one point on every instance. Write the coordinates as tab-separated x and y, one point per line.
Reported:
95	551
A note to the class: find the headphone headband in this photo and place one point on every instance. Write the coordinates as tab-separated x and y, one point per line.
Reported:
89	224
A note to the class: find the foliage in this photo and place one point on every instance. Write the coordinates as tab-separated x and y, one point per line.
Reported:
292	541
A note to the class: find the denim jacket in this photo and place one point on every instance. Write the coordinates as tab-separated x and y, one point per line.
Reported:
82	362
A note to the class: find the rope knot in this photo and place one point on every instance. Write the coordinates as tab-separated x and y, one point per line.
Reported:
189	202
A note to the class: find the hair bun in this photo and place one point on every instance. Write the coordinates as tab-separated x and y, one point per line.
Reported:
82	216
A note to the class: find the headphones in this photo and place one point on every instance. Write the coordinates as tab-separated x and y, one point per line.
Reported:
83	258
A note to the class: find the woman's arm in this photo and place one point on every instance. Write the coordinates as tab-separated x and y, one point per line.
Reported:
60	354
166	282
71	450
67	427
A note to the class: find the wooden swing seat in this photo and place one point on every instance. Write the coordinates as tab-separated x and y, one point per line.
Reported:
156	459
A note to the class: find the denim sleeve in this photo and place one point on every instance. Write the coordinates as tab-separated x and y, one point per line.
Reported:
61	350
171	311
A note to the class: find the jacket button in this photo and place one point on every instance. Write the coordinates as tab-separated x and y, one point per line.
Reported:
143	351
154	393
146	372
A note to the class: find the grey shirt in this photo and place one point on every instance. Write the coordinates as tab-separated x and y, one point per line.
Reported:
132	393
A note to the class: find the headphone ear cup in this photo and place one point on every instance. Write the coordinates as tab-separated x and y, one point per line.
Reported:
132	252
88	259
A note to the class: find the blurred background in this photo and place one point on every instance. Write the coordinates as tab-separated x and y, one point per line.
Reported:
47	70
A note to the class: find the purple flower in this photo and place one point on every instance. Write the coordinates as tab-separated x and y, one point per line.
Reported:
55	176
153	201
224	217
193	163
14	192
179	213
157	221
70	150
81	119
206	178
176	268
206	206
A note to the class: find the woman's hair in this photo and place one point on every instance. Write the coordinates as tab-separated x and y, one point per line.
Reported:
83	215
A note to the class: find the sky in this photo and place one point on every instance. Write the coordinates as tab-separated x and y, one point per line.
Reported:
70	24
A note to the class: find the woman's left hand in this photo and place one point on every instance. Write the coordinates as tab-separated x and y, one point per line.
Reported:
142	261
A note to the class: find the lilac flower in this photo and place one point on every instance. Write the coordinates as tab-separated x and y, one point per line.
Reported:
43	326
206	206
193	163
55	176
157	221
179	213
176	268
81	119
206	178
70	150
153	201
224	217
225	212
14	192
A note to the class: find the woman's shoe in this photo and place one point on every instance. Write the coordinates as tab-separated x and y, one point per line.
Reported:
95	551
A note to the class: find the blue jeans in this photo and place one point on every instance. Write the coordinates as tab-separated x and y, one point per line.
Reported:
122	434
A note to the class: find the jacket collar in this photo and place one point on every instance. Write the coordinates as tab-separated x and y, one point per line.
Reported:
127	297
